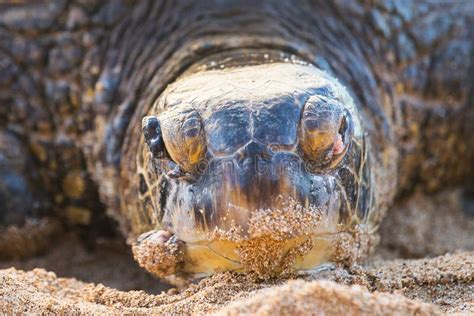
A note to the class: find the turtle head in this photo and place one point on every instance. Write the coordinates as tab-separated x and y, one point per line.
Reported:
267	149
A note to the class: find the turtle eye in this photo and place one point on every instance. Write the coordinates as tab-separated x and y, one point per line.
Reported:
183	135
325	132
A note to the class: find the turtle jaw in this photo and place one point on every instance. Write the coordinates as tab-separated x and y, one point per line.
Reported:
271	242
265	257
264	222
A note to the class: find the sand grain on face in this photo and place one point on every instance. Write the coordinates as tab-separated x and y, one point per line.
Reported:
159	252
277	241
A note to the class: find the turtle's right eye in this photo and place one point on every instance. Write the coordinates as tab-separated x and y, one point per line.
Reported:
183	134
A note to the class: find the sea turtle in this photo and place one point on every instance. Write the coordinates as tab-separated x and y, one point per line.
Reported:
267	136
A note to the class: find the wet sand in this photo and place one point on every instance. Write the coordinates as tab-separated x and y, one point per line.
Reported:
424	265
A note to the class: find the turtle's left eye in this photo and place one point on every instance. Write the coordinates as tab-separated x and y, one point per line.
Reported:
325	132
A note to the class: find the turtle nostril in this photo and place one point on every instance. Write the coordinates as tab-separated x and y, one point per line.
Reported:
252	153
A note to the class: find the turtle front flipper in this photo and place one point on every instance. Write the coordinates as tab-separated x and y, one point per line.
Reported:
160	253
24	230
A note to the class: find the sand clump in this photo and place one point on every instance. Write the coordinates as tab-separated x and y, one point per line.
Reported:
290	221
158	252
262	252
275	239
326	298
265	257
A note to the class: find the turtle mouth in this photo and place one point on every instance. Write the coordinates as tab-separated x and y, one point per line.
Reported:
262	222
273	242
279	243
264	256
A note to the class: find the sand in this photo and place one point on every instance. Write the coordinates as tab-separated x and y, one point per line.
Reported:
424	266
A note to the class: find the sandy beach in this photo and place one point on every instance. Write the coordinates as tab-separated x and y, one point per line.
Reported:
424	265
